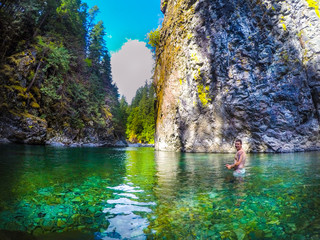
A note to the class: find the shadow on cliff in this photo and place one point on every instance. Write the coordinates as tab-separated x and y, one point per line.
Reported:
267	91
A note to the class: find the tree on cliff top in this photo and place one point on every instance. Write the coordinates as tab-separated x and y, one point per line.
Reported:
154	39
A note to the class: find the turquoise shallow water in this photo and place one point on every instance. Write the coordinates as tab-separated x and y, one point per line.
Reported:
139	193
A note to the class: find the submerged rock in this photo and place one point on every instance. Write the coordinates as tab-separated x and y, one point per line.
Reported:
244	69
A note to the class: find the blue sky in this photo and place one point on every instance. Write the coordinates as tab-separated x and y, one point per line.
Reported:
127	23
127	19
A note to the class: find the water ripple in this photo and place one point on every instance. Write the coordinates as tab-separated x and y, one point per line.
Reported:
125	213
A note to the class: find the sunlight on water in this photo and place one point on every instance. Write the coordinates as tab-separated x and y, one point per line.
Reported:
124	223
139	193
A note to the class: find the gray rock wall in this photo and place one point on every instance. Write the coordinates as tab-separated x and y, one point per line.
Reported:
246	69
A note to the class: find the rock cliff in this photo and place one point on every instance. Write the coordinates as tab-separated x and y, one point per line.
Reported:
246	69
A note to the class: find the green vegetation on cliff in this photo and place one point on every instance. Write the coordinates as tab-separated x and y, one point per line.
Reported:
54	65
154	38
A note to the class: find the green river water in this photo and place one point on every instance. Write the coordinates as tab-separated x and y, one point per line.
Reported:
139	193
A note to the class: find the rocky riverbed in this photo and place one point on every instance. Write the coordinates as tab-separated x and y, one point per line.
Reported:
59	209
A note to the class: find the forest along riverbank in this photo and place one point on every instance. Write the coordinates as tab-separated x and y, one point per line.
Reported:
56	85
136	121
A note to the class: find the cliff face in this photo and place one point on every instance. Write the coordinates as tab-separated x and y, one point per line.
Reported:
246	69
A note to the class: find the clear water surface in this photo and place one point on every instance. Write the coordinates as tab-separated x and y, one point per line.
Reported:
139	193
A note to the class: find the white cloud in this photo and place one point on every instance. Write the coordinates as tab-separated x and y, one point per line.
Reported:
131	67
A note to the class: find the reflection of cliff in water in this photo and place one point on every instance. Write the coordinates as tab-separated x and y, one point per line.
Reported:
185	173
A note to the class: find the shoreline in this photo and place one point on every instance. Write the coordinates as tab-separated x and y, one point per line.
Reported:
124	144
119	143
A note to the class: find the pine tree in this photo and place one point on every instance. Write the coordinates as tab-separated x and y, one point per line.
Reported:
140	122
